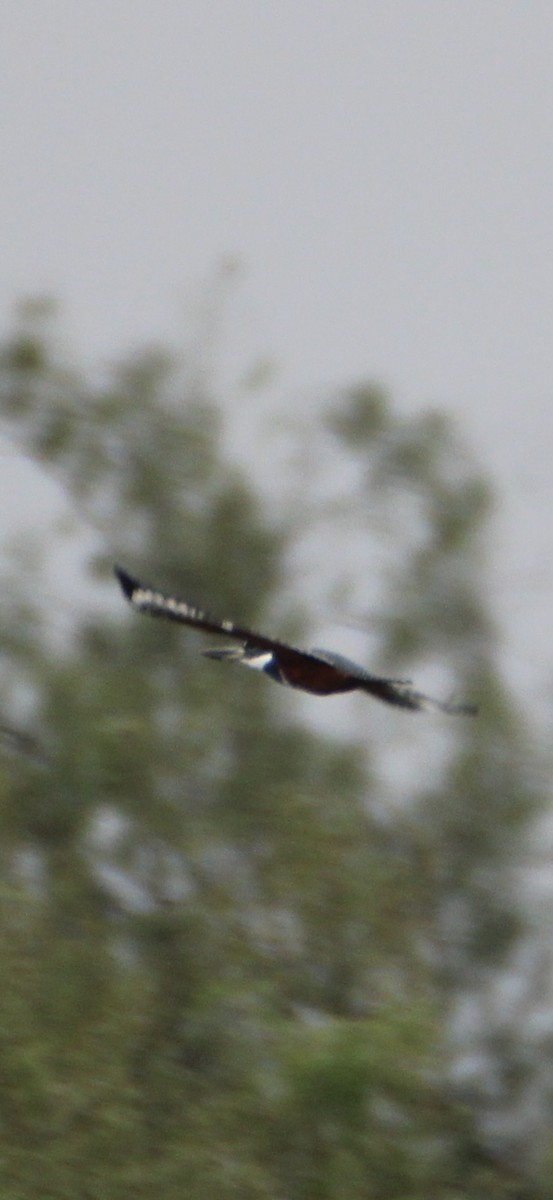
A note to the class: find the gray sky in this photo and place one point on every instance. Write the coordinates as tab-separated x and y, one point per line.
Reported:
383	172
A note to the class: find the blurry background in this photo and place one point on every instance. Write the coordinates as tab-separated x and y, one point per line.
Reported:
299	371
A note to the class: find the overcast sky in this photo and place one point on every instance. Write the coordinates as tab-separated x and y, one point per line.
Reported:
382	172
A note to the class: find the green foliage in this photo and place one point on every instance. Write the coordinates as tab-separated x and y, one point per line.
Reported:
221	973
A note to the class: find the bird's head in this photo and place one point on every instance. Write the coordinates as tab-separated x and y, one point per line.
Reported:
247	653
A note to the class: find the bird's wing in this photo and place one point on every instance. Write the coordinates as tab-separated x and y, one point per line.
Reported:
173	608
400	693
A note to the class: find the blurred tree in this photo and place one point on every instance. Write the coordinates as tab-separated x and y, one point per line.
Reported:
224	972
467	826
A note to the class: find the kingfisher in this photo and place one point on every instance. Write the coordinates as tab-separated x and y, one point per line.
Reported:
319	672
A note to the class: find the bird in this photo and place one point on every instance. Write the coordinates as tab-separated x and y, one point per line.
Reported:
319	672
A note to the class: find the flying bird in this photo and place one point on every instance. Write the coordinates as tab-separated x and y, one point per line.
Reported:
317	671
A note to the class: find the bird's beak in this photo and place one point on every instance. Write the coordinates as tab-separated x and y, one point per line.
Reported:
230	653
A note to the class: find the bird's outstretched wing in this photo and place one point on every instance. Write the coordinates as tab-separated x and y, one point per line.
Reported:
300	666
173	608
403	695
319	671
